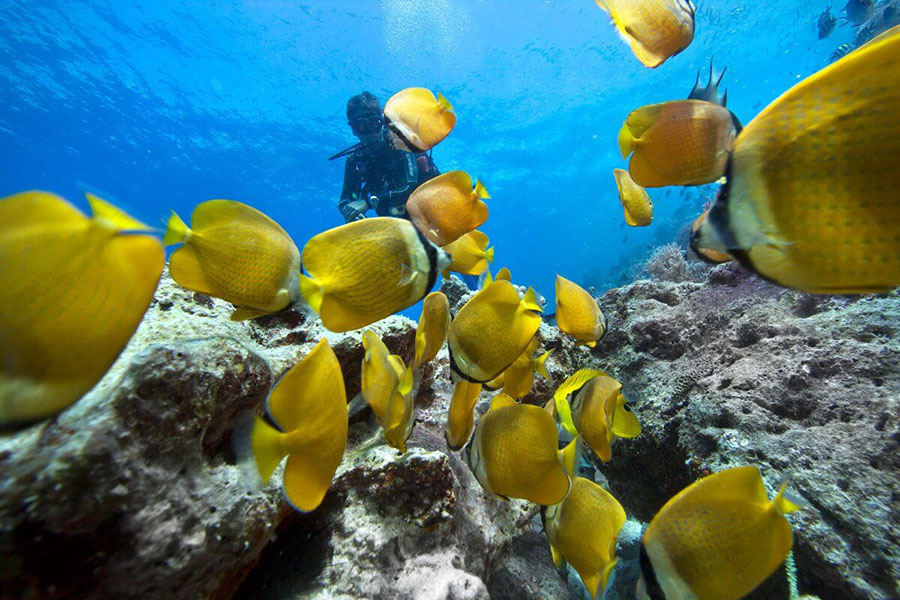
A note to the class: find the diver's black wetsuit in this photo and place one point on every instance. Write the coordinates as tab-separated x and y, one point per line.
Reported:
380	170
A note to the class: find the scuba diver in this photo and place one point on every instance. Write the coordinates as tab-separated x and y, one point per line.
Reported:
378	175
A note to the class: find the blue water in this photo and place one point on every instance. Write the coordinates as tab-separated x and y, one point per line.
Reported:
161	105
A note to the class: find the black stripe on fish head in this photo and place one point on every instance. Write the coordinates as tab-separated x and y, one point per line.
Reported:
396	130
654	591
431	251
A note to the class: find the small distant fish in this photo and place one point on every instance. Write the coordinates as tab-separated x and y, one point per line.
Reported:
826	23
819	227
582	530
234	252
460	416
431	332
447	207
656	30
309	408
364	271
513	453
682	142
418	119
720	537
635	200
841	51
491	331
74	289
859	11
470	254
710	92
577	313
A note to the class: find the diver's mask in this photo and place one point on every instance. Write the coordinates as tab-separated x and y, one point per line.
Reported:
368	128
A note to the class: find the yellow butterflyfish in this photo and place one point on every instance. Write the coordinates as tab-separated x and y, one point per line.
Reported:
460	416
74	289
387	387
431	332
812	200
518	379
364	271
683	142
577	313
234	252
656	30
448	207
470	254
635	200
309	409
420	120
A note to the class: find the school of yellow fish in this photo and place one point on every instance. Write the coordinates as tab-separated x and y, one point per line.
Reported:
792	209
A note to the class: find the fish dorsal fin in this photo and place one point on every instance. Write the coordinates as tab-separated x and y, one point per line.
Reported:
785	501
504	274
540	364
572	384
502	400
530	301
112	216
486	279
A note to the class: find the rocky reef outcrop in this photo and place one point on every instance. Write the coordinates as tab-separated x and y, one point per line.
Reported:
133	491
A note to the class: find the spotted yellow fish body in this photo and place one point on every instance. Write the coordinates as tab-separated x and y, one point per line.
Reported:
448	207
73	291
234	252
683	142
717	539
470	254
656	30
634	199
309	408
812	200
420	120
431	332
364	271
387	387
491	331
577	313
513	453
583	529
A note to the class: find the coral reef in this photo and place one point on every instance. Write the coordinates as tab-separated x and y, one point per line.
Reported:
133	491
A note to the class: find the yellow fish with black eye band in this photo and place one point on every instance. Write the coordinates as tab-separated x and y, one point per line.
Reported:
364	271
683	142
387	387
418	119
513	453
656	30
309	408
74	289
812	197
234	252
717	539
461	416
577	313
635	200
491	331
583	530
431	332
470	254
448	207
598	411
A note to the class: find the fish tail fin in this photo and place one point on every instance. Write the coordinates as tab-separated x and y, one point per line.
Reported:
541	364
602	5
570	455
444	103
177	231
785	501
607	571
530	301
406	380
113	216
481	191
489	254
626	141
592	582
257	447
311	292
486	279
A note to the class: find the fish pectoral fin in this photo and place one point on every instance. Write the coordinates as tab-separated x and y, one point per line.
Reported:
408	275
245	314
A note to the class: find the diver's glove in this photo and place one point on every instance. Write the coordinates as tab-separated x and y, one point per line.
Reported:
353	211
